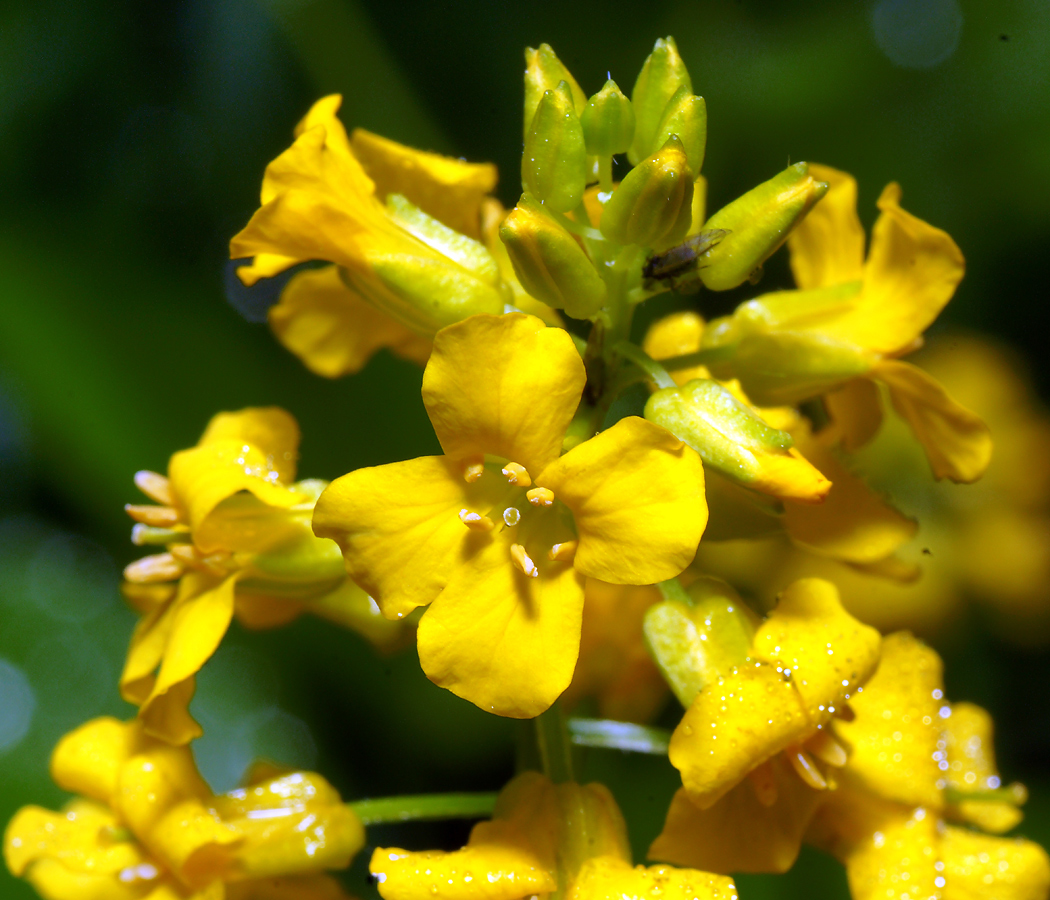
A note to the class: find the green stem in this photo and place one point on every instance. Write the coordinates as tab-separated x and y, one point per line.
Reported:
555	745
424	806
605	178
672	590
645	362
699	358
612	735
584	231
1014	794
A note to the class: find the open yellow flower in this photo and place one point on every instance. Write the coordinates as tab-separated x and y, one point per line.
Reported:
145	824
500	532
916	761
762	712
237	529
849	322
543	838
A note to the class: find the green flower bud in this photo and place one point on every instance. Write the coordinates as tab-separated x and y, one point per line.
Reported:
554	165
543	72
662	75
608	121
652	206
549	263
758	222
686	116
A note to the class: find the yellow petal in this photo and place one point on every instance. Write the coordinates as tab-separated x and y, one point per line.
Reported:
503	385
675	335
977	867
609	878
856	410
637	495
87	761
448	189
827	247
54	881
739	833
333	330
957	442
269	429
829	653
898	861
303	887
145	652
500	639
898	725
265	265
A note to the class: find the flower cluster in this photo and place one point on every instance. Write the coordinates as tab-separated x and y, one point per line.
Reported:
595	535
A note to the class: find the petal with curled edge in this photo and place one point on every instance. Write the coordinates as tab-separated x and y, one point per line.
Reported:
738	833
637	495
335	331
502	640
87	761
503	385
827	247
856	411
957	442
610	878
145	652
829	653
270	429
399	529
977	866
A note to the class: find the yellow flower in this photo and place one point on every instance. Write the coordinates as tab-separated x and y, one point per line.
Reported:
850	319
146	825
500	532
763	713
543	838
916	761
237	528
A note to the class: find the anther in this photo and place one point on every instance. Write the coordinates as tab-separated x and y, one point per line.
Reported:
807	770
522	560
157	516
155	486
475	521
825	748
148	534
517	475
511	516
764	783
563	552
473	469
159	567
845	712
540	496
185	553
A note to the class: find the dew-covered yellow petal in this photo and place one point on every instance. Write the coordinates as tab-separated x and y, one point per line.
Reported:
268	428
637	495
609	878
675	335
977	867
500	639
856	411
829	653
898	725
87	761
507	386
333	330
957	442
739	833
53	881
898	862
827	246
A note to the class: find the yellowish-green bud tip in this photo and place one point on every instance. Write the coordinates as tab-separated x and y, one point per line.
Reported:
686	116
608	121
554	165
662	74
543	72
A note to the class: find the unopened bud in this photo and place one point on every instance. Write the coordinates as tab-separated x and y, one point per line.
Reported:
758	222
608	121
554	165
543	72
549	263
686	116
735	441
662	75
652	206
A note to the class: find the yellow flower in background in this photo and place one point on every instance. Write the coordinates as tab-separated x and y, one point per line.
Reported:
499	534
764	699
917	761
144	824
543	838
239	542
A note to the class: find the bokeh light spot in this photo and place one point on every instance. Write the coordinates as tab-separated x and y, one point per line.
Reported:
917	34
71	578
17	703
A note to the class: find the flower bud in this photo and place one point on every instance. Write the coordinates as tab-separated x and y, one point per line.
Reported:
652	205
662	75
554	165
543	72
549	263
686	116
735	441
608	121
758	222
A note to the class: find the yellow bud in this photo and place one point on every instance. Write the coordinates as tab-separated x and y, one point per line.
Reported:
549	263
758	222
543	72
653	204
663	73
608	121
686	116
554	164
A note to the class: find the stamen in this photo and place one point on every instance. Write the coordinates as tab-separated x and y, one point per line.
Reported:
845	712
155	486
147	534
764	783
159	567
516	474
540	496
564	552
511	516
475	521
473	469
825	748
157	516
807	770
522	560
185	553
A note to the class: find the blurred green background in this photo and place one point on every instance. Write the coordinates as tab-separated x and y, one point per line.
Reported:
134	136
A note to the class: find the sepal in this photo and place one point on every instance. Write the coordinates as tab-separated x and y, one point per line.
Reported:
554	164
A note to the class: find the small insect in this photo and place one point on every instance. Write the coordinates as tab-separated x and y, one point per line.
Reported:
672	265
